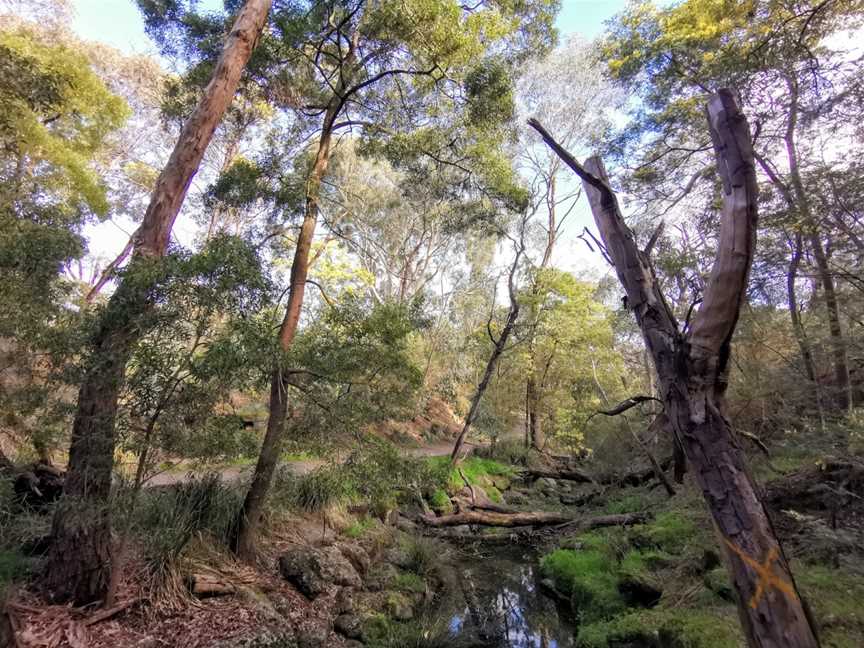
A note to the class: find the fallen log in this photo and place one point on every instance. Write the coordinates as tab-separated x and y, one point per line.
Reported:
204	585
565	474
539	518
633	478
491	518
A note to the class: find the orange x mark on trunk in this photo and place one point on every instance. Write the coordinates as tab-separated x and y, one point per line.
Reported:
767	577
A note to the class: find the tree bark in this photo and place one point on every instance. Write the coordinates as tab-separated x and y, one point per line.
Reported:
79	563
692	371
252	512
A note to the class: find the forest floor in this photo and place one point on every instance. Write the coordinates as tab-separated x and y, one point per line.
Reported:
656	584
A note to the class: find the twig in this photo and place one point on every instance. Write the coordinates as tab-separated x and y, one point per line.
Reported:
110	612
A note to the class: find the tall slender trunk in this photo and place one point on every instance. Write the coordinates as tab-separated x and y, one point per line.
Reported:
250	517
498	348
79	563
692	370
532	392
811	231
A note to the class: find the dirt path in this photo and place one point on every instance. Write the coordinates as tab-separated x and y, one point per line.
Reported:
299	467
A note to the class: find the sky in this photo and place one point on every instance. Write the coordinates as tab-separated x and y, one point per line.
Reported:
118	23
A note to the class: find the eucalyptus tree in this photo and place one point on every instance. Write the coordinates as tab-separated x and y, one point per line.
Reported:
568	88
423	83
79	563
797	83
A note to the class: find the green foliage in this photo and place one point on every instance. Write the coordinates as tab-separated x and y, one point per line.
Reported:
477	470
409	582
424	554
359	528
834	593
627	504
382	632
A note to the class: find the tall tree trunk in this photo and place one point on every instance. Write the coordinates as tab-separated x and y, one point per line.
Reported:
498	348
79	564
532	391
800	202
692	372
253	505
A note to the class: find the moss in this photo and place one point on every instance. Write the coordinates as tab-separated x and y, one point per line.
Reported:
670	531
835	596
589	578
678	628
478	471
440	502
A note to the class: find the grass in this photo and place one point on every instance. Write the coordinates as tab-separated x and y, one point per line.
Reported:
409	582
359	528
13	566
479	471
589	578
835	595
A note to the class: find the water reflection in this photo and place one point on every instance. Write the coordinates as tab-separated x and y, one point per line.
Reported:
503	606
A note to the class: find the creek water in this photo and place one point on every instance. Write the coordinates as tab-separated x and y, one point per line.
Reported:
497	601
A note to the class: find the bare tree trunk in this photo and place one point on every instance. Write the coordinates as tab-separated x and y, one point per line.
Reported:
692	371
498	348
535	424
79	564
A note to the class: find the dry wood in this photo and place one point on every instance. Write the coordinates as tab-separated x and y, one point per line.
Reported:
692	371
102	615
205	584
536	518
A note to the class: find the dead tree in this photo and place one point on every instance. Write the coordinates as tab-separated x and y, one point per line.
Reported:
79	564
692	368
499	345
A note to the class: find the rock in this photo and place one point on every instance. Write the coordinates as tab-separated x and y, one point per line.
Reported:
398	556
501	482
348	625
357	556
547	483
517	497
406	526
569	500
399	607
314	637
312	571
380	577
344	601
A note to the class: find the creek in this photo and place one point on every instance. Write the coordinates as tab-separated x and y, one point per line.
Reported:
495	600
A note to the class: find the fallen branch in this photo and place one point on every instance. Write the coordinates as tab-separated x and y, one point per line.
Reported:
110	612
565	474
491	518
539	518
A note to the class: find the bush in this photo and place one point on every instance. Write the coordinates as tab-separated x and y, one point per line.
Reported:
424	555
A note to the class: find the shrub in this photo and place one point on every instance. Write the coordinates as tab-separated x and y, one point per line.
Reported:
168	519
424	555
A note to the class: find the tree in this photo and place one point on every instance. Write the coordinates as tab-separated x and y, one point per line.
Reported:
793	82
692	368
349	61
79	563
567	87
499	343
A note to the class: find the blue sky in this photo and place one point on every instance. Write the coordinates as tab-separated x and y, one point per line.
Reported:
118	23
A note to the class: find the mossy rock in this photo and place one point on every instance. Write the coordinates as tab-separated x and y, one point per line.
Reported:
665	628
717	580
